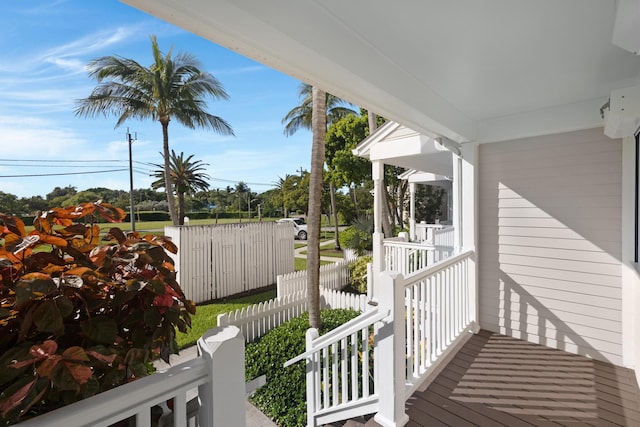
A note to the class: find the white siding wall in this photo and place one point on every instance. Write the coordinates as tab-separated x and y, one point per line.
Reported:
550	241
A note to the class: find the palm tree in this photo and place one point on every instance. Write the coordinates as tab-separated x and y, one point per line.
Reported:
171	88
300	117
186	177
317	109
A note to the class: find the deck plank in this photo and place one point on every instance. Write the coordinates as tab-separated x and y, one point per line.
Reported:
495	380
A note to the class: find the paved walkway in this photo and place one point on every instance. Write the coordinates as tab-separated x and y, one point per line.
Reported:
298	251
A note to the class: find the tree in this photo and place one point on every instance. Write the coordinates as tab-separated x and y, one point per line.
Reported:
300	117
186	178
316	110
319	127
10	203
170	88
34	204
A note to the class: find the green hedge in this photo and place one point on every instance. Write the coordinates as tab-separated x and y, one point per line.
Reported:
149	216
283	398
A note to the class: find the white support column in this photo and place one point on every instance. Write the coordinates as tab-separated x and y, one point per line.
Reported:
467	195
391	352
456	190
377	172
469	214
412	212
222	398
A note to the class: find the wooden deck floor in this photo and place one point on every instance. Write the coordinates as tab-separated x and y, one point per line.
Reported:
495	380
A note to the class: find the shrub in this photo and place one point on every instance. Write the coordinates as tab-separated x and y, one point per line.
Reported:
358	236
78	317
358	273
283	398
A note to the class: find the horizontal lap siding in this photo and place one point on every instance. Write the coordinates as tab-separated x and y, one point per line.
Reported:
550	241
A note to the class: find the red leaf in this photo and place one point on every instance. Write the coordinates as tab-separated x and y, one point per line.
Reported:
76	354
45	368
79	372
13	224
108	359
44	350
163	301
16	398
52	240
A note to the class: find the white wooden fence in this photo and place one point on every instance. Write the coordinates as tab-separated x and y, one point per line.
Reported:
216	261
332	276
256	320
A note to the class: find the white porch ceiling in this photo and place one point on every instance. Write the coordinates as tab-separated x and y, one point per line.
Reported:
466	69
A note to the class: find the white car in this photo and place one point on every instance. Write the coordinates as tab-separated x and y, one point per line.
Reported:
299	227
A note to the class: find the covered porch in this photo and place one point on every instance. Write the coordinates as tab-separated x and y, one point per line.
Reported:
496	380
535	260
426	161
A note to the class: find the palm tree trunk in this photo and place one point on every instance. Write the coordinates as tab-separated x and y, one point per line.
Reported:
180	208
334	211
319	128
168	185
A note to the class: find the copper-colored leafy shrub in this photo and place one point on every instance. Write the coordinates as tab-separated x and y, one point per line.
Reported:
81	313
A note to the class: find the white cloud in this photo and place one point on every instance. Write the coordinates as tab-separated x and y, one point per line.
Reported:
37	137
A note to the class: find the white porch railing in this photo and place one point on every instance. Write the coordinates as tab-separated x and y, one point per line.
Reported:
341	379
435	234
221	401
438	309
408	257
419	320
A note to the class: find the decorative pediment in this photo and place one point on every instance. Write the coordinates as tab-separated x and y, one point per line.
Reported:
398	145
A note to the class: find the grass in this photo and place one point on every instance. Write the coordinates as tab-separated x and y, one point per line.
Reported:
301	263
157	227
206	316
328	250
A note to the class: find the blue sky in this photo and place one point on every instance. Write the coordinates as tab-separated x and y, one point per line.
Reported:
45	47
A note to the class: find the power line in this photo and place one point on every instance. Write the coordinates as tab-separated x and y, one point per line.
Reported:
237	181
61	174
60	161
43	163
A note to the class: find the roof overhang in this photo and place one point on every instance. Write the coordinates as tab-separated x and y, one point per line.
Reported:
466	70
418	177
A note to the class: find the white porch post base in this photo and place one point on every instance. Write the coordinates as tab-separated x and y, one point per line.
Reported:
391	353
223	397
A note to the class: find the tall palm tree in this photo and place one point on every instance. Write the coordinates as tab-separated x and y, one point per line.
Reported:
300	117
170	88
317	109
187	177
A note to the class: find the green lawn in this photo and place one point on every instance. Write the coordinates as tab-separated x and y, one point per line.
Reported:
301	263
206	316
328	250
157	227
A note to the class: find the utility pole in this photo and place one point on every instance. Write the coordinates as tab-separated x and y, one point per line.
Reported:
130	140
301	172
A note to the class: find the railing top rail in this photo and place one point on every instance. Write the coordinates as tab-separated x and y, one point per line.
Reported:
362	321
413	245
124	399
436	268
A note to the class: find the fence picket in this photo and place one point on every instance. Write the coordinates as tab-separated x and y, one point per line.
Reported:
216	261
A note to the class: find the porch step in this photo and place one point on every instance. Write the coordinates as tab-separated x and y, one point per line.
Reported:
356	422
